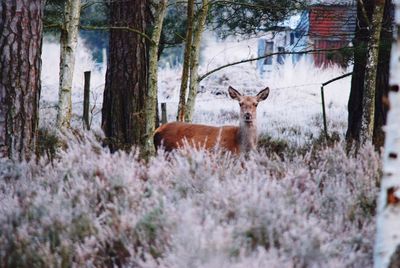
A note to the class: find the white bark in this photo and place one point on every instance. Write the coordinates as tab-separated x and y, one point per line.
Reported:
68	43
388	215
194	65
186	62
151	102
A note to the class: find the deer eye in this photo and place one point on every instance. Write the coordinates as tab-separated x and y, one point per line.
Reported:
241	103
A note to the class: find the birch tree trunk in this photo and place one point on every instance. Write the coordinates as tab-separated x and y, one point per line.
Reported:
387	245
186	62
20	66
368	101
194	64
151	102
68	43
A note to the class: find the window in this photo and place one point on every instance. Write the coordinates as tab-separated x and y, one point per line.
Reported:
269	49
281	57
291	38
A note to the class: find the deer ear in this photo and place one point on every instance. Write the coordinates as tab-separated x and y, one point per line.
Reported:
263	94
234	93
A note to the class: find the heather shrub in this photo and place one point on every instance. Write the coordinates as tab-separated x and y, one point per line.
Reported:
192	208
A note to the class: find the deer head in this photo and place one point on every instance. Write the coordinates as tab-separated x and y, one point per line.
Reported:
248	104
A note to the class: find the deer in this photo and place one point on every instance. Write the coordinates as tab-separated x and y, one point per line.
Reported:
236	139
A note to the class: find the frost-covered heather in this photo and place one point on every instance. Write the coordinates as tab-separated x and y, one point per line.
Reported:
309	207
90	208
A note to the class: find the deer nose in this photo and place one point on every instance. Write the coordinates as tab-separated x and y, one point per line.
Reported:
247	116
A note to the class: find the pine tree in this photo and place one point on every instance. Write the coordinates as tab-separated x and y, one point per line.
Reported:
20	67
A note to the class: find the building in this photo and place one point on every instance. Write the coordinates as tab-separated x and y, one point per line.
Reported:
320	27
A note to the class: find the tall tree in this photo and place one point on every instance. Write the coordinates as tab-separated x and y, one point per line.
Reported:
20	66
387	242
355	107
368	101
127	74
151	101
186	62
68	43
194	60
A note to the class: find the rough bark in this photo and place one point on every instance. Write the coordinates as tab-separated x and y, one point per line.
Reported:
194	64
368	100
186	62
68	43
357	83
151	102
387	242
127	75
20	66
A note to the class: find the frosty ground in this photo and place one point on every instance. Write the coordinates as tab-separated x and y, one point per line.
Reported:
298	202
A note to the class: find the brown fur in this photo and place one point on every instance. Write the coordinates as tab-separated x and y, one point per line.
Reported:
173	135
235	139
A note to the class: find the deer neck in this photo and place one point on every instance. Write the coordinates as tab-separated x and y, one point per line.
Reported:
247	136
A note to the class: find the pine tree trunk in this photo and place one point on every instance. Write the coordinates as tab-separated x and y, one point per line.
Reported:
151	102
368	103
68	43
387	245
359	69
186	62
194	65
127	75
20	66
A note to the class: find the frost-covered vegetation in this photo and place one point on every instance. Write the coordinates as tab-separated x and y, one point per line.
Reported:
297	202
191	209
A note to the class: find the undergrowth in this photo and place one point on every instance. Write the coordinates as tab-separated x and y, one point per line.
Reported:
81	206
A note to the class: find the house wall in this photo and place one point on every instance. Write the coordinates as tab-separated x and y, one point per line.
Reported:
280	42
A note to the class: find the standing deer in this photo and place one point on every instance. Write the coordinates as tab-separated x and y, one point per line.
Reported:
235	139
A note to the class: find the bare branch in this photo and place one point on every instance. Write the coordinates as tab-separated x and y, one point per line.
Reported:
364	12
123	28
312	51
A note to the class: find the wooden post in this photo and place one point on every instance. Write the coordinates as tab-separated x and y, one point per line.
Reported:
323	100
324	113
86	101
163	113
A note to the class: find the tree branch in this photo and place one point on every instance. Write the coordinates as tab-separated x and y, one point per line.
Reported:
123	28
311	51
364	13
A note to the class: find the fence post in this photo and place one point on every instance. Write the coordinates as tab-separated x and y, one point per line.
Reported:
324	112
163	113
86	100
323	99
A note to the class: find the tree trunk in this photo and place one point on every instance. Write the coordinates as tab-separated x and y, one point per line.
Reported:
186	62
151	102
20	66
127	75
194	65
357	83
387	245
68	43
382	80
368	100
